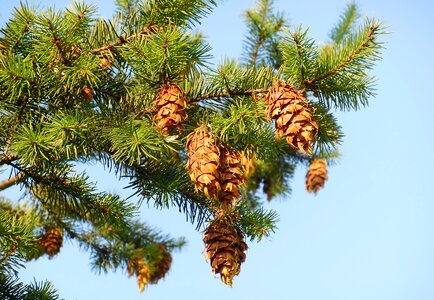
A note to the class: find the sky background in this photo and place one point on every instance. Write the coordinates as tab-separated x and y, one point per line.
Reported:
368	235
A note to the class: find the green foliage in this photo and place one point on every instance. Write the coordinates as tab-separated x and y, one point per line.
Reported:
345	24
300	55
261	43
11	289
16	235
341	77
76	88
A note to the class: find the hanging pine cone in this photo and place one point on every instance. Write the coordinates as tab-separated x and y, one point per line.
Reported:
52	241
87	93
290	109
139	267
162	265
231	176
203	162
224	247
171	105
316	176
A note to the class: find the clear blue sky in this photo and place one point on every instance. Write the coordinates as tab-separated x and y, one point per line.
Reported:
367	236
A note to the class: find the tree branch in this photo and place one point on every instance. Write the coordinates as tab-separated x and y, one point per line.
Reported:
12	180
220	95
369	38
297	44
5	159
148	30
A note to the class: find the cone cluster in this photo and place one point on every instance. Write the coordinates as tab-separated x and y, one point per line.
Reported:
224	248
171	104
51	241
214	168
293	116
316	176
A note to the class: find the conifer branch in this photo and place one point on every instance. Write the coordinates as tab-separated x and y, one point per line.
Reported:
17	122
26	27
229	94
346	22
80	17
299	53
55	41
367	43
148	30
12	180
23	32
260	37
76	89
6	159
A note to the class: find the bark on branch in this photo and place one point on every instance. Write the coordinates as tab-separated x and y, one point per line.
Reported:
12	180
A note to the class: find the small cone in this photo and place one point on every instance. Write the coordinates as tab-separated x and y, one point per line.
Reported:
87	93
203	162
171	104
162	265
232	176
141	269
224	247
52	241
316	176
292	115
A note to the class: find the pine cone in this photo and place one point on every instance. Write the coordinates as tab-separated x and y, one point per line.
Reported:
162	265
224	247
290	109
203	162
140	268
87	93
231	176
171	105
52	241
316	176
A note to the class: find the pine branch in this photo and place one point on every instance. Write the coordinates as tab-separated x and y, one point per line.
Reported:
12	181
147	31
12	289
264	27
18	26
225	95
6	159
367	43
345	24
299	54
